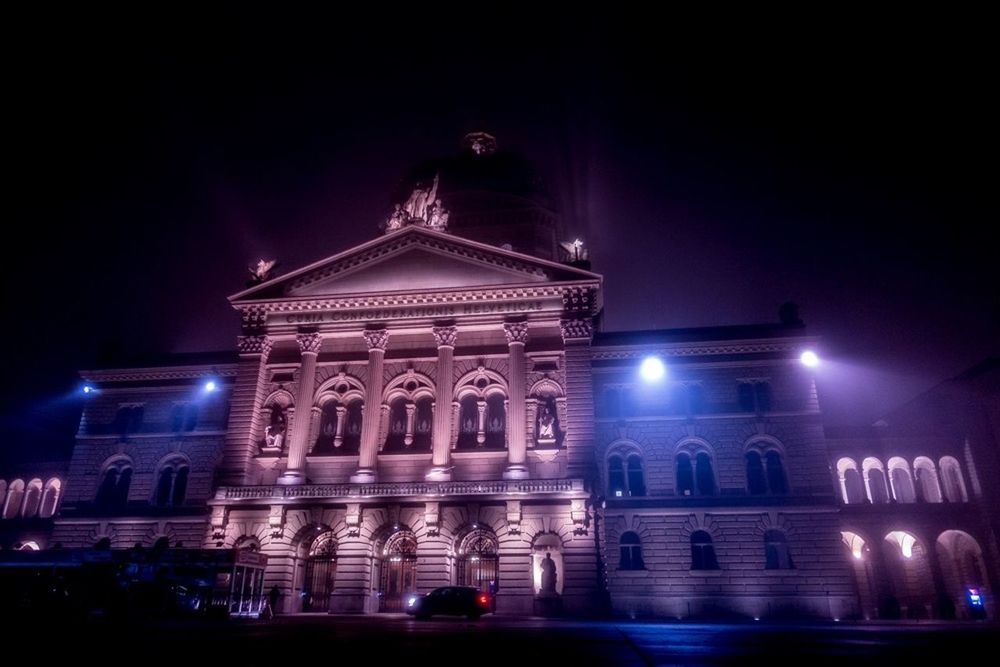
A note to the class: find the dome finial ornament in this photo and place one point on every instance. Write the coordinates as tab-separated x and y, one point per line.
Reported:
480	143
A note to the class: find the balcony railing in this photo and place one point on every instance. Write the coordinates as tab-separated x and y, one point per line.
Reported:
400	489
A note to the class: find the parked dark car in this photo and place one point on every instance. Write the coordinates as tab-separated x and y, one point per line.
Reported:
450	600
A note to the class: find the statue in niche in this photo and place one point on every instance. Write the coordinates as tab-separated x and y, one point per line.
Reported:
548	576
274	434
546	426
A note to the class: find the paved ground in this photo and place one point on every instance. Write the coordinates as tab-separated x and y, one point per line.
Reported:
352	640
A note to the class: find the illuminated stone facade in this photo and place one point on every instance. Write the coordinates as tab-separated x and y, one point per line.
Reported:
428	409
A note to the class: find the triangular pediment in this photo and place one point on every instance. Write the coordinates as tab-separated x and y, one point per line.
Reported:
414	260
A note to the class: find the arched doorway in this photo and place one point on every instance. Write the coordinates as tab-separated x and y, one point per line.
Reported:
398	574
478	562
318	576
964	570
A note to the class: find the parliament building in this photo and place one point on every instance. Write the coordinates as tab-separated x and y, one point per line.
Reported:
440	405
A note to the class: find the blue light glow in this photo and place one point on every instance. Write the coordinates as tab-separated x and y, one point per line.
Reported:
652	369
809	358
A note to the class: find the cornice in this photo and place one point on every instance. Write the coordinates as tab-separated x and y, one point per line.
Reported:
423	298
638	351
161	373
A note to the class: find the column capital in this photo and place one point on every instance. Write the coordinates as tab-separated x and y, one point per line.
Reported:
309	343
576	329
376	339
254	345
445	336
517	332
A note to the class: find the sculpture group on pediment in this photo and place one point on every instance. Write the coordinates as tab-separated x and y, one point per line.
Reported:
422	208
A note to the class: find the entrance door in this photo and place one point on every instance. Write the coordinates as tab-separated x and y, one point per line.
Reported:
317	579
318	583
399	572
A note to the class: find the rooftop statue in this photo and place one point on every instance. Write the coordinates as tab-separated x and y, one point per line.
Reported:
262	272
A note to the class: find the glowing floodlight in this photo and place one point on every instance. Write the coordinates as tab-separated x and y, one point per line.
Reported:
89	389
210	386
652	369
809	358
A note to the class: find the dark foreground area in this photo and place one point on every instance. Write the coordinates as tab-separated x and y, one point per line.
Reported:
321	639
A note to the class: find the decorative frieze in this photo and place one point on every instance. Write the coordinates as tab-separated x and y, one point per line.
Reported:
576	329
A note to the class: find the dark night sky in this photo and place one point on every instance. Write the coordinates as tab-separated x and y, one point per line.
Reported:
714	171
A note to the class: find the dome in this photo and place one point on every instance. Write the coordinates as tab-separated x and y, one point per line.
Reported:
492	196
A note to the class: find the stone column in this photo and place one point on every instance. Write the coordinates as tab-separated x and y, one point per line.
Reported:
517	337
376	340
246	424
445	337
295	472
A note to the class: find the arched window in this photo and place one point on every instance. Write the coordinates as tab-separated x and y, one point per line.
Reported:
478	564
625	475
352	427
776	553
50	499
630	549
902	482
851	486
115	482
756	481
15	496
325	441
171	486
616	477
396	433
636	483
954	485
468	424
32	498
423	423
496	421
703	551
765	469
29	546
776	481
928	489
695	469
685	474
875	481
103	544
704	473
